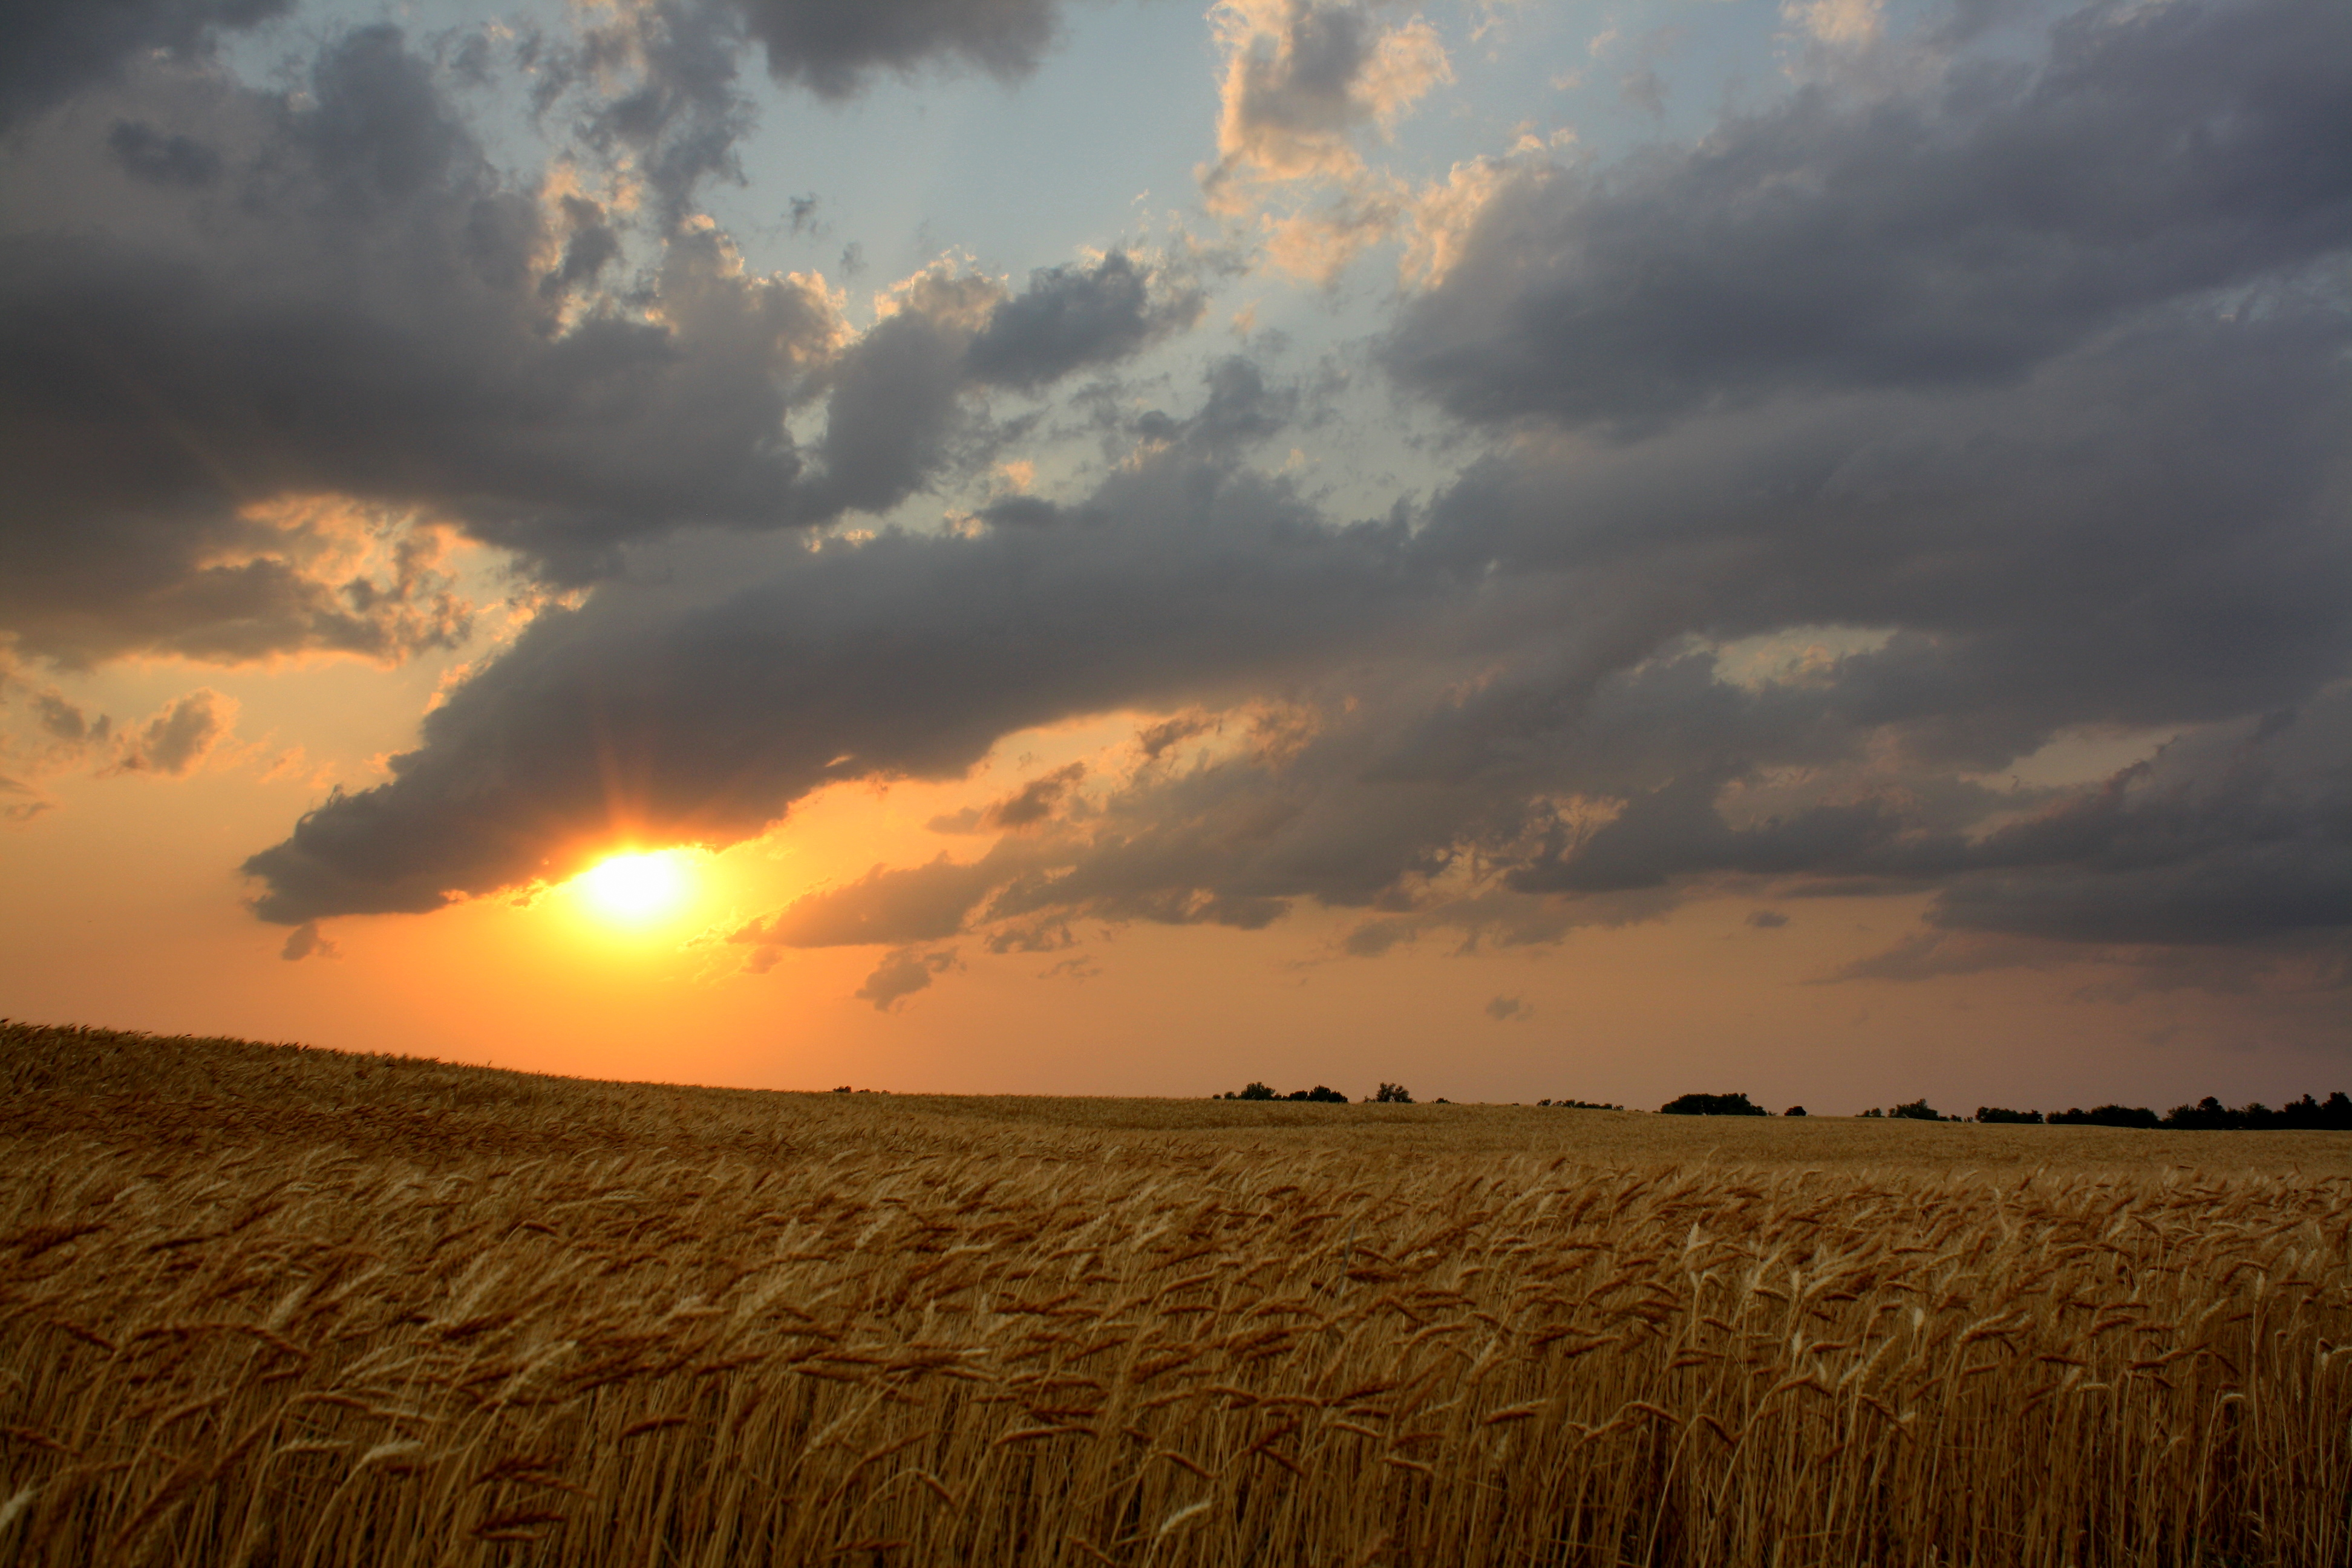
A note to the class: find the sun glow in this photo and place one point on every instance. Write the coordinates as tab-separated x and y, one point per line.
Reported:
637	890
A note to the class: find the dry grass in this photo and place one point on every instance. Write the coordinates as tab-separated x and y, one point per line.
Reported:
264	1305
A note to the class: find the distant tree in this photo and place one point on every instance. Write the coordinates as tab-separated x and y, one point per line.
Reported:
1393	1094
1320	1094
1257	1091
1916	1110
1794	1110
2333	1115
1995	1113
2107	1116
842	1090
1712	1105
1873	1111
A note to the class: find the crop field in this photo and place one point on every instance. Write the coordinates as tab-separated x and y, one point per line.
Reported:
270	1305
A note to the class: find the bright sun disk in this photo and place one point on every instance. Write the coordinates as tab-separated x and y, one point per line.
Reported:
636	887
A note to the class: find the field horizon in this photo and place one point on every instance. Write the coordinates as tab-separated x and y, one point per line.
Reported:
274	1304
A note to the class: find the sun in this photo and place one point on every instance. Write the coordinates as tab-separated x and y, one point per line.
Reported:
635	890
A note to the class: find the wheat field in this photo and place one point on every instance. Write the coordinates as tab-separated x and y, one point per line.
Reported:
274	1305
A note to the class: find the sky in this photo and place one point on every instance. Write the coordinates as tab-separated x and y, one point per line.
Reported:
1532	551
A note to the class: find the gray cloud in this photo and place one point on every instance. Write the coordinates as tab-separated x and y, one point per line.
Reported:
180	736
655	706
227	305
922	903
2023	482
51	49
1959	232
364	319
2238	833
1036	802
308	942
1070	318
832	48
901	974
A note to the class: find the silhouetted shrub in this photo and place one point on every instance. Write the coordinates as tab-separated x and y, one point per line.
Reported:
1916	1110
1794	1110
1873	1111
1577	1105
1712	1105
2107	1116
1257	1091
1393	1094
1995	1113
1320	1094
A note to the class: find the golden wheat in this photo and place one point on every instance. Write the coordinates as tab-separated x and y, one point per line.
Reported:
266	1305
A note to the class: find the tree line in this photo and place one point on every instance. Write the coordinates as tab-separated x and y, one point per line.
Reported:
2333	1114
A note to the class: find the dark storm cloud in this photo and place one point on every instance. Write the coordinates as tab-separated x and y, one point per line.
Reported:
1458	683
234	303
51	49
683	113
2147	532
1073	317
1961	232
905	656
356	306
1526	706
162	160
2240	833
832	45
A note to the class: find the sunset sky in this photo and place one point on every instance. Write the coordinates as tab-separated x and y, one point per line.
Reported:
1531	550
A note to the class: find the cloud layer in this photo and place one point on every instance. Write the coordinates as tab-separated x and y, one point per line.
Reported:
1963	405
220	308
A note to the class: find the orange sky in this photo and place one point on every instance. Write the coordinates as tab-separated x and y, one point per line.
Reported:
1598	550
135	921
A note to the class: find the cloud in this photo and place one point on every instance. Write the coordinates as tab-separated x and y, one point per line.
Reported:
901	974
2235	833
175	742
2031	467
51	49
922	903
1838	24
1070	318
1303	80
706	709
832	48
373	315
1036	802
1766	919
240	330
1509	1010
1302	77
306	940
1958	232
